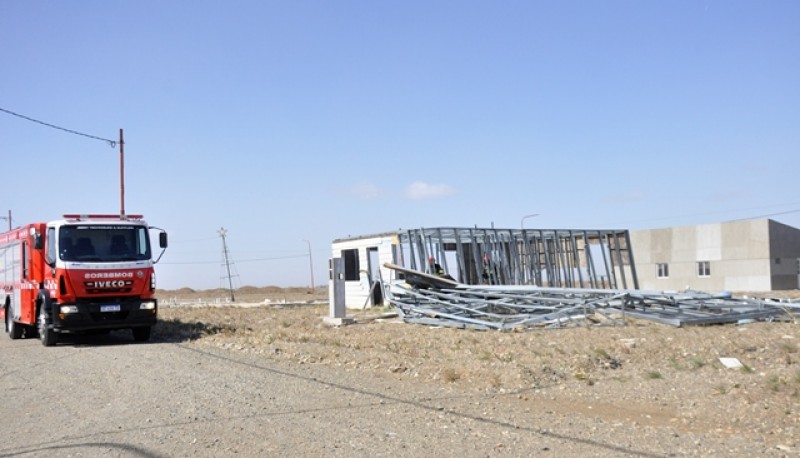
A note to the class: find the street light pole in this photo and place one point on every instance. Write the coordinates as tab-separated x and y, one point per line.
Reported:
522	221
310	264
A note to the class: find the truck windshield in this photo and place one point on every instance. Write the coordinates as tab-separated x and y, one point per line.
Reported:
103	243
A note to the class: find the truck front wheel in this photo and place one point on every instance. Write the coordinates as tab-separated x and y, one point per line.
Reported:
13	329
47	335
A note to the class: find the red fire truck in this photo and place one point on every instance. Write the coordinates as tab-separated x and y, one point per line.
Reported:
83	273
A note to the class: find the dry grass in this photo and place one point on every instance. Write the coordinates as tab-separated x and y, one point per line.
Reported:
629	364
510	360
486	360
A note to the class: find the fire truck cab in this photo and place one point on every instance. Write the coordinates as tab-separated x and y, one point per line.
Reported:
83	273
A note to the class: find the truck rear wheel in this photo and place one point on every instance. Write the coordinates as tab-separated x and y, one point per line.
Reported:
47	336
141	334
13	329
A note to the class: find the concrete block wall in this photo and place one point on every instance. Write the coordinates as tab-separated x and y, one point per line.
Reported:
742	256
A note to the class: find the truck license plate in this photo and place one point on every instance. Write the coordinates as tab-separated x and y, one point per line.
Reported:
109	308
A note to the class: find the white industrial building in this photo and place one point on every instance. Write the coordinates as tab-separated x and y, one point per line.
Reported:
747	255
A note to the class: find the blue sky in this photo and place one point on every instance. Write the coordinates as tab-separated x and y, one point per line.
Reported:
314	120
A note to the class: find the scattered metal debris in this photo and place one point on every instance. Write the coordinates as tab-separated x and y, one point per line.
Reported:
516	307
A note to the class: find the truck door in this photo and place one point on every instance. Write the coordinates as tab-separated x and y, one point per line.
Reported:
28	289
13	261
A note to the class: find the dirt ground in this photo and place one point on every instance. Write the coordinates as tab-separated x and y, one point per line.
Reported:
642	373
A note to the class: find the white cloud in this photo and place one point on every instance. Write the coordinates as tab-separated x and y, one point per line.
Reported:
419	190
367	191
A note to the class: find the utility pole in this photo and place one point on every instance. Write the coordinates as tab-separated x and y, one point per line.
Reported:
7	219
121	176
222	232
310	264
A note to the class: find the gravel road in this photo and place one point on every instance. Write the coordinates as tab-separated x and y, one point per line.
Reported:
107	396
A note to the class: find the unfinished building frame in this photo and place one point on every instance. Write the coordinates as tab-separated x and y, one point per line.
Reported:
562	258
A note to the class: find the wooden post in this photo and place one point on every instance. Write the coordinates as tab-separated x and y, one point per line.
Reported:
121	176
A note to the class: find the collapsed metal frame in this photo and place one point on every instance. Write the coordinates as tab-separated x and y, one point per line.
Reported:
562	258
506	308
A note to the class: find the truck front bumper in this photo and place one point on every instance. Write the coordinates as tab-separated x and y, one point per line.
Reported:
104	315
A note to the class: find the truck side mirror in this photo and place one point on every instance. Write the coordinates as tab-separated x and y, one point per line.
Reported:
162	239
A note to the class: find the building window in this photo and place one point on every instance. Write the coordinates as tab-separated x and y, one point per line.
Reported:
704	269
662	270
350	264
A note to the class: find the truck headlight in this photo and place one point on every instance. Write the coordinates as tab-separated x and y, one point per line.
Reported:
68	309
147	306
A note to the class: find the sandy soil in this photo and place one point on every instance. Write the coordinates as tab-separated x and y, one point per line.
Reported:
640	374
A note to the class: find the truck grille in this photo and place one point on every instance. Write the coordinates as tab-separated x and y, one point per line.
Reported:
108	290
106	316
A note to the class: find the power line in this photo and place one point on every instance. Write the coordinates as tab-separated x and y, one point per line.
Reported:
113	143
277	258
764	216
273	258
722	212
